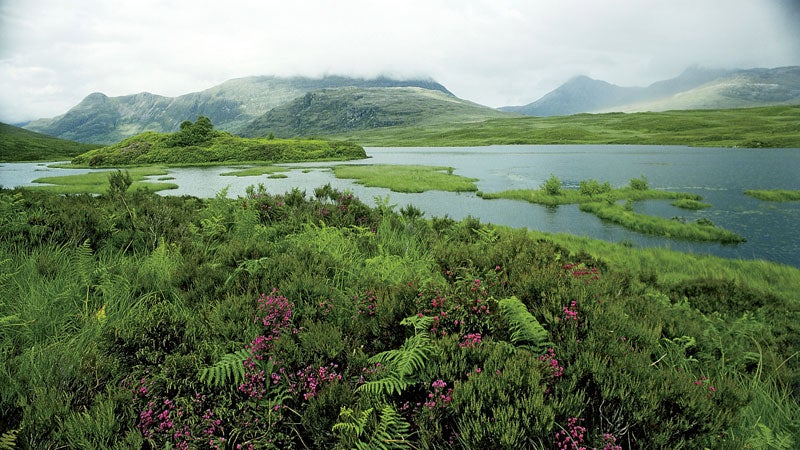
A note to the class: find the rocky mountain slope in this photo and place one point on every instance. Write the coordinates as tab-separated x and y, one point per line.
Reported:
696	88
230	106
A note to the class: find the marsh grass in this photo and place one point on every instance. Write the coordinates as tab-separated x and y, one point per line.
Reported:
97	182
691	204
410	178
775	195
658	226
256	171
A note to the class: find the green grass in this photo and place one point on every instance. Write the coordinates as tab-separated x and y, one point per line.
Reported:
255	171
605	207
573	196
17	144
776	195
97	182
687	203
671	267
410	178
658	226
774	126
220	147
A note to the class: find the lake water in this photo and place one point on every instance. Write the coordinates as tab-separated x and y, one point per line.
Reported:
719	175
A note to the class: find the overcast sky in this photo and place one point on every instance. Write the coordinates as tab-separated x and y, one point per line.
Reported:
494	52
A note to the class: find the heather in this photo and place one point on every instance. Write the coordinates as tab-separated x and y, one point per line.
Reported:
311	320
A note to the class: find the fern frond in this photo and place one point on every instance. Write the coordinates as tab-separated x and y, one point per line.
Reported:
8	440
229	369
525	329
386	385
402	363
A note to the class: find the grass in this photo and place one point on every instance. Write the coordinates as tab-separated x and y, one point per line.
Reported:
17	144
671	267
410	178
658	226
605	206
774	126
97	182
573	196
776	195
688	203
255	171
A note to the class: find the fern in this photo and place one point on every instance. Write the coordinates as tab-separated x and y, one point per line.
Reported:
229	369
401	364
526	332
391	431
764	438
8	440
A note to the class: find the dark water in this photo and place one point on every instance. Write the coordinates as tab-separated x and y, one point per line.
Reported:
718	175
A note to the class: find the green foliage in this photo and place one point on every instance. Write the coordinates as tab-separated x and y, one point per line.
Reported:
401	364
8	440
775	195
593	187
365	432
639	184
197	133
229	370
525	329
110	306
192	145
552	186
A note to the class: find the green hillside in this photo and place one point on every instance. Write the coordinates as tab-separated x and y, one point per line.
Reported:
18	144
230	105
774	126
331	111
199	143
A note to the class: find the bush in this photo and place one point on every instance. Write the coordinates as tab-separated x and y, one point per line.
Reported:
552	185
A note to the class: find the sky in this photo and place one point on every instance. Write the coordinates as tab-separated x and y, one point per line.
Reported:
494	52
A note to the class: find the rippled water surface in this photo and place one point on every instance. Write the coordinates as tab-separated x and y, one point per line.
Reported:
719	175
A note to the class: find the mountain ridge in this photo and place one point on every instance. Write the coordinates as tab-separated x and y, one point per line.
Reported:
695	88
230	105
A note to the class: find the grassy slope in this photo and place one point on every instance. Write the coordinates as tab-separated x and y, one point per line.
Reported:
155	148
776	126
17	144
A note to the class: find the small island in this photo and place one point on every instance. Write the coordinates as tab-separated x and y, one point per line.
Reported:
603	201
774	195
198	143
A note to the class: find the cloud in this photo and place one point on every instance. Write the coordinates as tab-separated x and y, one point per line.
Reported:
494	52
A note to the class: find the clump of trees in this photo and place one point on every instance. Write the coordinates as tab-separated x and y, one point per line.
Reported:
199	132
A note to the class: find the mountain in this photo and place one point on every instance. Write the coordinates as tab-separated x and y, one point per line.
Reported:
695	88
230	105
340	110
17	144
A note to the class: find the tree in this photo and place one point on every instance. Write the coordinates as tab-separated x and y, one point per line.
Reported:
202	130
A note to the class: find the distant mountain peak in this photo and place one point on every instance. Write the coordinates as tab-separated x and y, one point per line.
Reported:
696	87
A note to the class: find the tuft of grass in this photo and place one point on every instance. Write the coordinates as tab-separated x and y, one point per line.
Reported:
409	178
688	203
97	182
255	171
775	195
